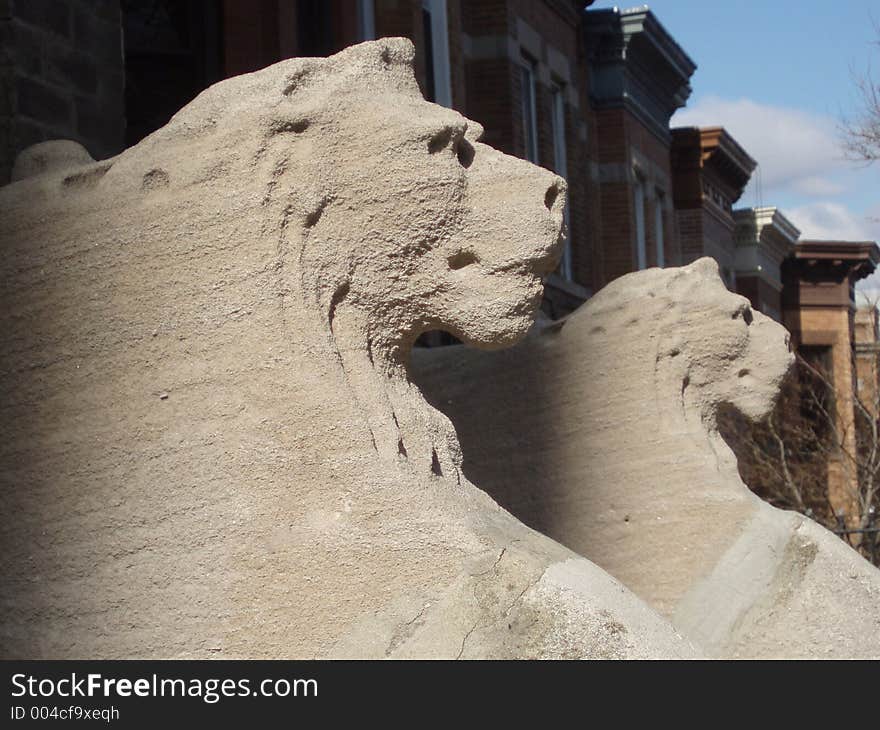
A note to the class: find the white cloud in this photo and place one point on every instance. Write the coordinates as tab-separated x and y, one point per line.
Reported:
868	289
801	168
817	187
796	151
828	220
873	218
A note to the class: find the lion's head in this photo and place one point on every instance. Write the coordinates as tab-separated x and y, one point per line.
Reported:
383	201
421	226
379	215
707	340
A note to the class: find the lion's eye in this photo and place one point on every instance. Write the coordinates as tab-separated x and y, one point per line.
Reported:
745	312
464	150
440	140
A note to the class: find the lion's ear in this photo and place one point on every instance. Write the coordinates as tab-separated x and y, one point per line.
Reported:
706	266
396	51
380	53
380	63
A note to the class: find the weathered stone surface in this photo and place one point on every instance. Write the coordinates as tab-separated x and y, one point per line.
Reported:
210	446
54	156
600	433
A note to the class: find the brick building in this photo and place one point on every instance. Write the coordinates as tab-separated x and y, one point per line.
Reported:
765	238
639	77
819	311
710	171
866	344
586	93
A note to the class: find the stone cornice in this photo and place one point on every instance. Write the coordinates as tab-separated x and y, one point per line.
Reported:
845	250
860	258
636	63
724	153
766	227
709	156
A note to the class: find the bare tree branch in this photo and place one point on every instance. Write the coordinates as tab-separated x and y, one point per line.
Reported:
860	132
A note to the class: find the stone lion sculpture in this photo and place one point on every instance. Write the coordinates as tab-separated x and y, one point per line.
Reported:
211	446
625	464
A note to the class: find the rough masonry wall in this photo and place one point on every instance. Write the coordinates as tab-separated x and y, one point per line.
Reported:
624	145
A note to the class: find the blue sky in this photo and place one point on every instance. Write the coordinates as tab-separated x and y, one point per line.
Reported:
779	76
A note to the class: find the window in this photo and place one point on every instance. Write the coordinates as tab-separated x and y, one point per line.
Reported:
815	382
434	24
530	124
561	168
658	228
639	206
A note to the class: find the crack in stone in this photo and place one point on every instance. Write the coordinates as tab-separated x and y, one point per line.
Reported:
402	634
507	611
493	566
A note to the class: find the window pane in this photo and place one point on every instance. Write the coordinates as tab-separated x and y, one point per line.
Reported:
427	29
559	153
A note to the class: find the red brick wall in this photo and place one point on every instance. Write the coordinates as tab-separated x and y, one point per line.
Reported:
764	298
623	139
612	133
545	19
617	251
492	95
484	17
690	233
648	144
588	260
489	94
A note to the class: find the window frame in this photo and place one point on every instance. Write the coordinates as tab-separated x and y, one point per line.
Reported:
435	12
560	160
528	107
659	233
639	210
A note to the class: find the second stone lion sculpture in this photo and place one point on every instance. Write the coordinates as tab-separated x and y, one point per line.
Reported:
625	464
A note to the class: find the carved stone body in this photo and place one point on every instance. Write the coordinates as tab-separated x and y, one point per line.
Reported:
624	464
210	445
